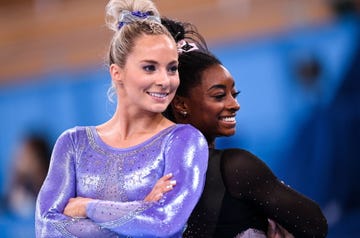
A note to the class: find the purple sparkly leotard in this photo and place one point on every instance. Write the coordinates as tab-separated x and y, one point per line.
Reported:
119	180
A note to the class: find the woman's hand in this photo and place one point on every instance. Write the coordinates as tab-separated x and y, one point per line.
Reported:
277	231
76	207
163	185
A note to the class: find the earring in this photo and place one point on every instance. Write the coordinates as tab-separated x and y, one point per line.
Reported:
184	113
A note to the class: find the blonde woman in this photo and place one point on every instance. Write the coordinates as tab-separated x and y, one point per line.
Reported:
138	174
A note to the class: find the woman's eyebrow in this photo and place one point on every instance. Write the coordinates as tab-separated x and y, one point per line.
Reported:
149	61
217	86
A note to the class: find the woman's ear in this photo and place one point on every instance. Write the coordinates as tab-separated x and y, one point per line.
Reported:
115	72
179	104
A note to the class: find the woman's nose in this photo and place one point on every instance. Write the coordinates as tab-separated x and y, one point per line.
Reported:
163	80
233	104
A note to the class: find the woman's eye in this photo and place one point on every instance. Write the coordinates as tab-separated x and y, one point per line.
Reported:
173	69
149	68
220	96
236	94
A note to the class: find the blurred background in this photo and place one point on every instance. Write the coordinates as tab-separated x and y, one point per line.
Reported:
296	63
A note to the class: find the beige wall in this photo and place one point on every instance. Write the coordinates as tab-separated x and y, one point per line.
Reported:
41	36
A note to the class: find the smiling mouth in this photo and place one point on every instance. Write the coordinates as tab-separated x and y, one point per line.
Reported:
158	95
228	119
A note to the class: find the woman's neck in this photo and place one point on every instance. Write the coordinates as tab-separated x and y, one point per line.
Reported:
127	127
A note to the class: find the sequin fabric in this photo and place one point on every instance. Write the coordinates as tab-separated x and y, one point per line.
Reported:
241	193
118	180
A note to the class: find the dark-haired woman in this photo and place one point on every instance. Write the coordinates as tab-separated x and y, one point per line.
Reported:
241	193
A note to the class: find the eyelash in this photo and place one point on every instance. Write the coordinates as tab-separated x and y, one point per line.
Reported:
151	68
173	69
234	95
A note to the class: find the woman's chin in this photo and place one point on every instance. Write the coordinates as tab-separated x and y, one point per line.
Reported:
227	133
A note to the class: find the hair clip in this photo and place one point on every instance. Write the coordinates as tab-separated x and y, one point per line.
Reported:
184	46
140	14
127	17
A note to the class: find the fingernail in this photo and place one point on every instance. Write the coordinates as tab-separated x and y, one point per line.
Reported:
169	174
173	182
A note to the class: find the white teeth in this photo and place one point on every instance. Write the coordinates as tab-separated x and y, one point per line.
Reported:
158	95
228	119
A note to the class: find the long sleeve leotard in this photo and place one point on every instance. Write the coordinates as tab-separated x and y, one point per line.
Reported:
241	193
118	180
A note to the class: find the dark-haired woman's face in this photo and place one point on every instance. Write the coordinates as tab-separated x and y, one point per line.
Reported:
212	104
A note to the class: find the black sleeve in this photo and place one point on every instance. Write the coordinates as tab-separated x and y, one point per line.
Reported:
249	178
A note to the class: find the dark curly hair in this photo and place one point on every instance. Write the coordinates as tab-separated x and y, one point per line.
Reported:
192	64
184	31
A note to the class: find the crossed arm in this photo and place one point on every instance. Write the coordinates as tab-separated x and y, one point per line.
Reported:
60	213
257	184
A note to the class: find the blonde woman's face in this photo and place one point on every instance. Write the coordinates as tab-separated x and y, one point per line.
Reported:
150	77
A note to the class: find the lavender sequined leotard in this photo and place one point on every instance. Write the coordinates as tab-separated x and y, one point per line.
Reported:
119	180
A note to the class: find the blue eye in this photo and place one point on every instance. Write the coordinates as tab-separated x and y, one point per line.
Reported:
173	69
149	68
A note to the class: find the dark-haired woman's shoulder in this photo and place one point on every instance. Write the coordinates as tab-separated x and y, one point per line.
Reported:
241	161
243	171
